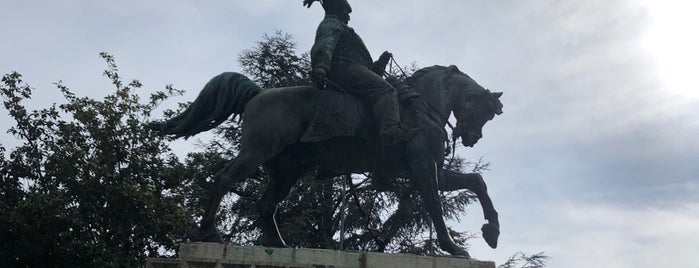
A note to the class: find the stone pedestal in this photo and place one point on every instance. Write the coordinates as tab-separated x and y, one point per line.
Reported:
212	255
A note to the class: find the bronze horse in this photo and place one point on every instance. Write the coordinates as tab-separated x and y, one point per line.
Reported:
274	120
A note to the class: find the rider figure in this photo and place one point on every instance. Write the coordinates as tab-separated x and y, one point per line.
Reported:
339	54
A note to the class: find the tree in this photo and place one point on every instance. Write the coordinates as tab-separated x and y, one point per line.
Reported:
273	62
521	260
88	186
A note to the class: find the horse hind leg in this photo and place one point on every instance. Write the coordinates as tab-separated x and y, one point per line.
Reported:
243	165
285	171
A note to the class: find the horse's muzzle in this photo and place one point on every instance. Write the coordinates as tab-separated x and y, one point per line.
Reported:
470	138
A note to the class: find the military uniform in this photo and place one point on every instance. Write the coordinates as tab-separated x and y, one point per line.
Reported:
342	54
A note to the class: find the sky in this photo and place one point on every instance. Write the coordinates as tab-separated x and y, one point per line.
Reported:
594	160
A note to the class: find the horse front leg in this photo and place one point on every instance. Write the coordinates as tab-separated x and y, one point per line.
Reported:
451	181
425	177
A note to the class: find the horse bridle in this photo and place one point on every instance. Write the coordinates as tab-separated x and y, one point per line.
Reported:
475	109
437	116
461	123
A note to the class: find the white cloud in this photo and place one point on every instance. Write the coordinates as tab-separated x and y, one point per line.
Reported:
596	236
582	235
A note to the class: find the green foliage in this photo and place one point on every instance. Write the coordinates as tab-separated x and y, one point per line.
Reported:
88	186
402	72
521	260
274	62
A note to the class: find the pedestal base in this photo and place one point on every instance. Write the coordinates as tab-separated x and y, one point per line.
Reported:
212	255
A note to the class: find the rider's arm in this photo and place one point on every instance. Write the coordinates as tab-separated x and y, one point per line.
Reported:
327	36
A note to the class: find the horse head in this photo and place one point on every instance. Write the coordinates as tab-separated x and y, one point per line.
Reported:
448	90
473	106
474	112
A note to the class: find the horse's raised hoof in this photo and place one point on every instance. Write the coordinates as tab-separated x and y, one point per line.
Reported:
490	234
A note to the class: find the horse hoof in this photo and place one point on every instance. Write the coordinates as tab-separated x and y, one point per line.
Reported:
212	237
461	253
491	234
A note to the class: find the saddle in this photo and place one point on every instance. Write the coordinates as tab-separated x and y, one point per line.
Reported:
339	113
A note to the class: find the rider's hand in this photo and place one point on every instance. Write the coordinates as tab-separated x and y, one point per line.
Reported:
319	77
380	65
385	56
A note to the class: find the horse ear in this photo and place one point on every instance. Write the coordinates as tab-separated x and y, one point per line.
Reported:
497	95
453	69
308	3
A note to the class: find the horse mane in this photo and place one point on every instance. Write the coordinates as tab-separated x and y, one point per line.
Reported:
439	74
445	71
422	72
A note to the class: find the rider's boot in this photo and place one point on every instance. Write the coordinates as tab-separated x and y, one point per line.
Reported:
405	93
387	113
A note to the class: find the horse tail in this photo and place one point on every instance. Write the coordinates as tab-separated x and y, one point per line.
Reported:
223	95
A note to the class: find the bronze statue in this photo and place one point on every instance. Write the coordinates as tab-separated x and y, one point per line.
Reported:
274	121
339	55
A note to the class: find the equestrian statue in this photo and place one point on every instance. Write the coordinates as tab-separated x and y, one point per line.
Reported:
324	128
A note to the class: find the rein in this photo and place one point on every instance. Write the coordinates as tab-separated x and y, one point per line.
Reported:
454	136
390	67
